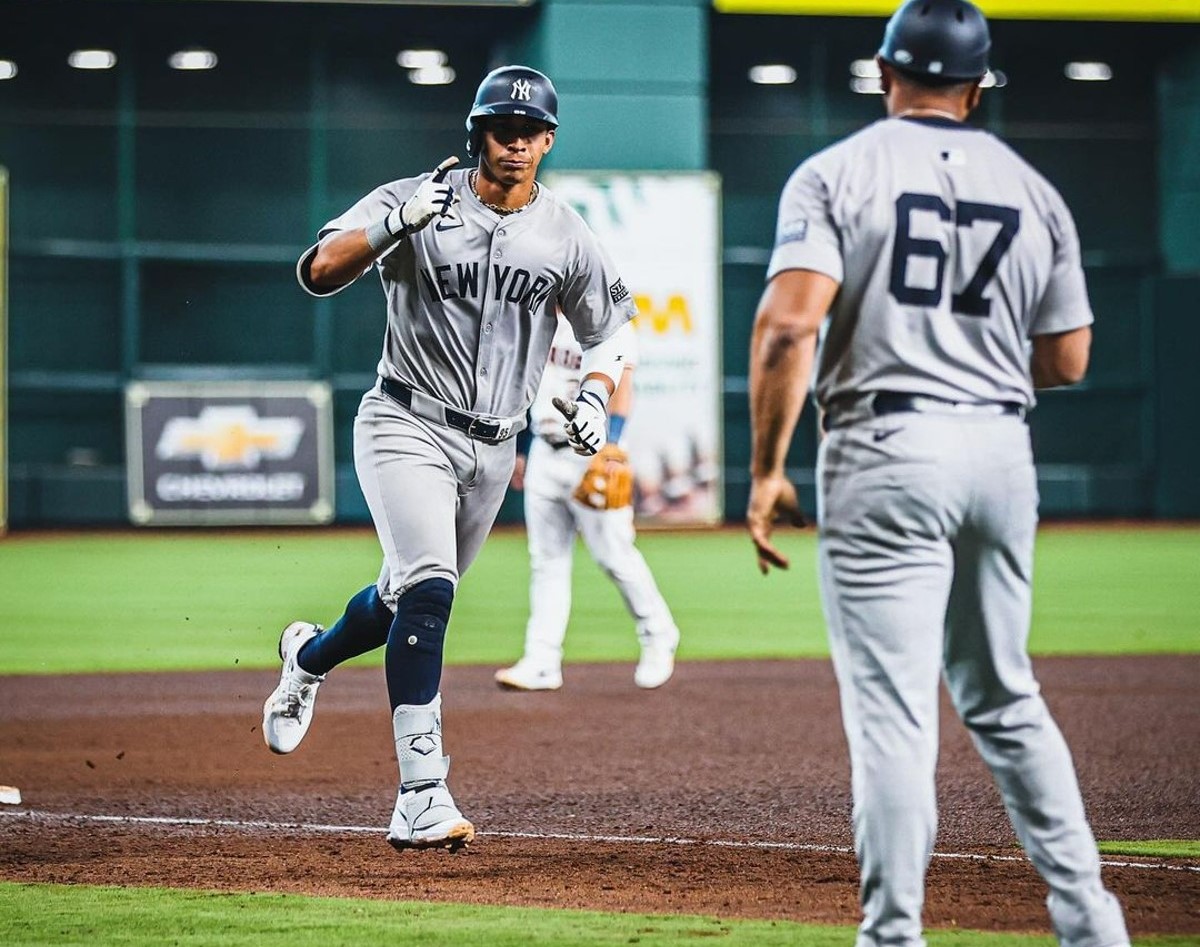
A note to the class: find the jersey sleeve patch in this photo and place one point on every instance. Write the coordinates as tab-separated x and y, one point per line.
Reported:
617	291
793	231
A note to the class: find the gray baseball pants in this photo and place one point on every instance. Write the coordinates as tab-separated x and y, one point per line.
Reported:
433	492
927	526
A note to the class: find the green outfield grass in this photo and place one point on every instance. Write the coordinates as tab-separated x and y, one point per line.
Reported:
1154	848
148	917
194	600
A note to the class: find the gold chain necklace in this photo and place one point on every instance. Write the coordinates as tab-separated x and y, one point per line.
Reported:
496	208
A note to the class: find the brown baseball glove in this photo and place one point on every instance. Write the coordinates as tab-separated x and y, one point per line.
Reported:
607	483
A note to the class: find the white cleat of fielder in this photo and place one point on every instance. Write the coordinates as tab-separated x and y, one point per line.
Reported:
654	669
527	675
657	662
288	712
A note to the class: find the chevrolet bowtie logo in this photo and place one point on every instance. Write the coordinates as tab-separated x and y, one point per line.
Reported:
229	437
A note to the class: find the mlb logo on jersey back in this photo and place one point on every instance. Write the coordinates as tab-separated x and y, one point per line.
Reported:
618	291
794	231
955	157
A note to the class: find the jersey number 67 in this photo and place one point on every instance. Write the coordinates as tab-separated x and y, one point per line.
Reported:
971	301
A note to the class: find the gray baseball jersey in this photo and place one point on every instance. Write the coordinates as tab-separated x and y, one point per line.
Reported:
951	251
472	303
472	297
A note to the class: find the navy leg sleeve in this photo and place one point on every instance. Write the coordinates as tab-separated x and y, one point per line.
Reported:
414	648
363	627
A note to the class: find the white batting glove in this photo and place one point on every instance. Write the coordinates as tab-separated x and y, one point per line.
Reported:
433	198
587	423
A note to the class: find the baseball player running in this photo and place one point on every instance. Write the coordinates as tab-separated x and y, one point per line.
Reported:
475	265
565	494
950	270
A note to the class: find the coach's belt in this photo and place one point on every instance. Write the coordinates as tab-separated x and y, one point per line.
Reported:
895	402
481	428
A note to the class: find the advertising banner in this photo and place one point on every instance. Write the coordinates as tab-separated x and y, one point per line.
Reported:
222	453
663	233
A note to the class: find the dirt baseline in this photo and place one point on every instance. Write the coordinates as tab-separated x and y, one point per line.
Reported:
745	761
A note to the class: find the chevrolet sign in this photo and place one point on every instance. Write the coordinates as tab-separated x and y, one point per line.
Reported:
224	453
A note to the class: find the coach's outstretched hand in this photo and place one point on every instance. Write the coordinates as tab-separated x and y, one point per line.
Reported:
772	500
433	198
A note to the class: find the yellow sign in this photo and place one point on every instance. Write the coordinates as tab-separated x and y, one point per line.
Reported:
661	319
1166	10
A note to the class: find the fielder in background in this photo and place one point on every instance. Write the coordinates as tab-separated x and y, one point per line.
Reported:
567	494
951	273
475	265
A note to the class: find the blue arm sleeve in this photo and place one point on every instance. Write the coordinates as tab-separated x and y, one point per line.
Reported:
616	424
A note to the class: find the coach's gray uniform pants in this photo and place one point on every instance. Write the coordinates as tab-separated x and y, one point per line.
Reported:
433	492
926	559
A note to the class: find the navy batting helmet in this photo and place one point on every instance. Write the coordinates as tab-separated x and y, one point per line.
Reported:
938	39
512	90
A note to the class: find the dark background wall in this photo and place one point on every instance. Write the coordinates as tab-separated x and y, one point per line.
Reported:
156	215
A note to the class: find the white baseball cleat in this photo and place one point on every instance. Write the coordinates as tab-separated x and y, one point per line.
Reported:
289	710
529	675
428	818
657	662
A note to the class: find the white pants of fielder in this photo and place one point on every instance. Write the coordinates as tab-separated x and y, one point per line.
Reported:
926	562
552	518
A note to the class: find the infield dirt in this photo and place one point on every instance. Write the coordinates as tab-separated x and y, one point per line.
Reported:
728	752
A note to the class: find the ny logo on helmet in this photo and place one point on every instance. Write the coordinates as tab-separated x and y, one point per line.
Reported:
521	90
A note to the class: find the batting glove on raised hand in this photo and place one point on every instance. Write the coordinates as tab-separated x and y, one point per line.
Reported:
587	422
433	198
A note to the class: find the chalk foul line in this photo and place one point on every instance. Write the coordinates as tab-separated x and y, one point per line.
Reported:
310	827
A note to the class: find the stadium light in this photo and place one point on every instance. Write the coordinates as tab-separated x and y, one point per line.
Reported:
1088	71
420	58
193	59
431	75
92	59
776	74
994	79
866	85
865	69
8	69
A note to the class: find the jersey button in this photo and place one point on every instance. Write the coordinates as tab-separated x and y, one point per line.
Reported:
487	329
501	232
483	372
498	254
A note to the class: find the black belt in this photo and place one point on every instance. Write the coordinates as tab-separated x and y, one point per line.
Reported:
492	431
898	402
895	402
